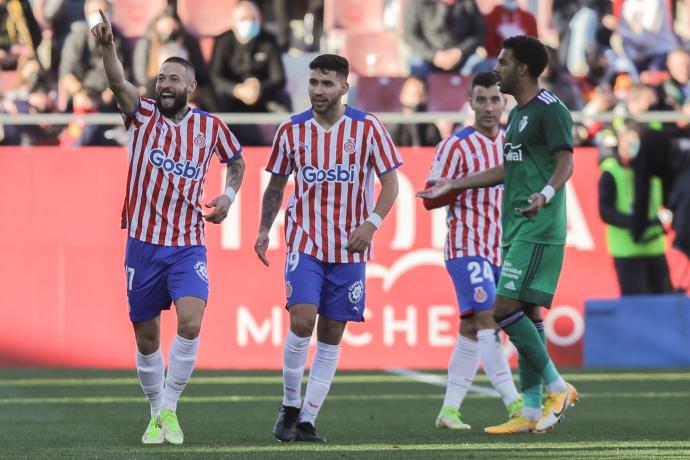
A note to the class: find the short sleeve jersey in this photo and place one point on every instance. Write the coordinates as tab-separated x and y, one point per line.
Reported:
536	130
474	218
334	180
168	163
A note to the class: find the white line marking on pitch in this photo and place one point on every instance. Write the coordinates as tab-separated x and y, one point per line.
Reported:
439	380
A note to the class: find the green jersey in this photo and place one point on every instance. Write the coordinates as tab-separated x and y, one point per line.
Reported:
536	130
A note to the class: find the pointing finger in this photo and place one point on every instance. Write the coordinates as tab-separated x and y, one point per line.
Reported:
103	16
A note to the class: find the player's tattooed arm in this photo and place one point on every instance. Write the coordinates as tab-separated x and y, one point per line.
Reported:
221	204
235	174
126	94
270	205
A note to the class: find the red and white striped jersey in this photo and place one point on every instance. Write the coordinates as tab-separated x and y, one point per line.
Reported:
167	168
334	181
474	218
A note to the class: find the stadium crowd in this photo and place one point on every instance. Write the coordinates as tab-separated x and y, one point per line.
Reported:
626	56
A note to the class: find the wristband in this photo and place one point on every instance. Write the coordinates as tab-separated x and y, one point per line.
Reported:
374	219
94	19
230	193
548	192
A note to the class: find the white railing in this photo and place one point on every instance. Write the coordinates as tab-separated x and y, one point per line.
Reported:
277	118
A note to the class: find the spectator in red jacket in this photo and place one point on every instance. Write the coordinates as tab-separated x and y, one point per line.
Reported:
504	21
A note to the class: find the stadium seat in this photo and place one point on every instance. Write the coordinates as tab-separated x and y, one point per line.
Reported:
372	53
133	17
353	15
297	76
206	17
448	92
379	94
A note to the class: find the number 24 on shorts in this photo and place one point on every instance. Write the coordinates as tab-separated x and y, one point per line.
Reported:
476	275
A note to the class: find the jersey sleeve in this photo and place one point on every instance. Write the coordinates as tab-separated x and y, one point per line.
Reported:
558	127
385	156
445	162
279	161
227	147
142	112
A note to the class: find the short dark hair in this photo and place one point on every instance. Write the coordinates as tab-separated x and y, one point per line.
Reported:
528	51
485	79
183	62
331	62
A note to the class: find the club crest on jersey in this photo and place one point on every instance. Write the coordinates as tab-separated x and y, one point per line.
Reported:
200	141
201	270
355	291
288	289
349	146
311	174
523	123
186	170
480	295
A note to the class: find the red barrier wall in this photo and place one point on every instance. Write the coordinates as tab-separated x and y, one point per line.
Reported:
63	281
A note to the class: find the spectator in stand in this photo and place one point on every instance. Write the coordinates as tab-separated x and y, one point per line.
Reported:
20	34
413	99
676	88
640	263
32	94
277	15
504	21
58	16
641	99
168	29
247	71
78	133
557	80
667	157
646	31
81	65
442	34
570	26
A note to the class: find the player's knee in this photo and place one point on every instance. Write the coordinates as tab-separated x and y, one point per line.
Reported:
301	326
189	328
504	307
147	343
468	328
485	320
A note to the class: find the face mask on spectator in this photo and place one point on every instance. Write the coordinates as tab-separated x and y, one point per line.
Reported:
511	5
247	30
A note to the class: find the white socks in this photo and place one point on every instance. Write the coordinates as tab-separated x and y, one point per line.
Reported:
294	359
180	366
556	387
151	370
496	365
461	371
320	378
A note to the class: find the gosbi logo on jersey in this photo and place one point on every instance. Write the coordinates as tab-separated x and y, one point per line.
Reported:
312	174
187	170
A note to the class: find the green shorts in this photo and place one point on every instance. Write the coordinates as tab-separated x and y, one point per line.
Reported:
530	272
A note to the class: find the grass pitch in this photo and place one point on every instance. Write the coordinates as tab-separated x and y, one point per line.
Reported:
96	414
